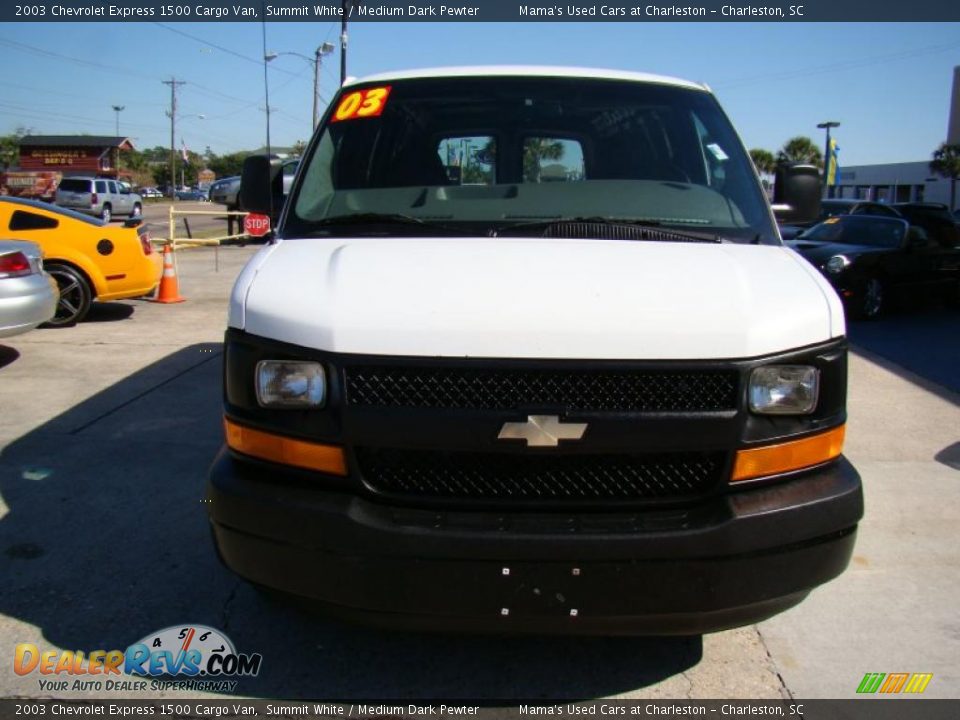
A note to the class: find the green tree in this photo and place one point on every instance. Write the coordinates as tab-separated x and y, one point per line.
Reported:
946	164
227	165
10	147
535	151
764	160
801	149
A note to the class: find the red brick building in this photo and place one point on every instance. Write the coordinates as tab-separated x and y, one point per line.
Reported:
46	159
73	154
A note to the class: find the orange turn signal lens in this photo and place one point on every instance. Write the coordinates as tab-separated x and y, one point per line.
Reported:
788	456
284	450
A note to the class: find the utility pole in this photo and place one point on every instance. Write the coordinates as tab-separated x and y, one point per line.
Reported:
172	114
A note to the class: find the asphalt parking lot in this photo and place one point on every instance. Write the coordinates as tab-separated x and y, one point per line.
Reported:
107	430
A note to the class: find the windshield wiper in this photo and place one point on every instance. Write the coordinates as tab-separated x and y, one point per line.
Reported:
607	228
371	218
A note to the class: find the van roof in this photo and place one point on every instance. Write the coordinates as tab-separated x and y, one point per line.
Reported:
528	71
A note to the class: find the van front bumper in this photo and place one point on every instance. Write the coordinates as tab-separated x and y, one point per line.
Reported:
739	559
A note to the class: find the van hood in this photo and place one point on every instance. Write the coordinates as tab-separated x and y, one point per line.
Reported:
539	298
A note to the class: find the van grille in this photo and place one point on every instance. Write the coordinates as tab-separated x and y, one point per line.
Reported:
560	390
560	478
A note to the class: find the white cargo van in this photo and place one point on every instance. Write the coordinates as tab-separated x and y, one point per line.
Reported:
528	355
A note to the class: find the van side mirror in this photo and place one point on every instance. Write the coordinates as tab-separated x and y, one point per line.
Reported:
796	193
261	185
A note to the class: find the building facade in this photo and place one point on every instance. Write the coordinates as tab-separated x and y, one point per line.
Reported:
73	154
892	182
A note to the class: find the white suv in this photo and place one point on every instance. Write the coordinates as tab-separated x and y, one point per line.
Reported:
100	197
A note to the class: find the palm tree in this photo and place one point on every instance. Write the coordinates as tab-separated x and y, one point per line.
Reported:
535	151
801	149
764	161
766	165
946	164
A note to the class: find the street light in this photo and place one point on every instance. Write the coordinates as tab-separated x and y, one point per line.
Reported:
118	109
317	59
826	154
346	10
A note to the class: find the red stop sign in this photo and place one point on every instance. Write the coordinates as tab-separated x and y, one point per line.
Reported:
256	224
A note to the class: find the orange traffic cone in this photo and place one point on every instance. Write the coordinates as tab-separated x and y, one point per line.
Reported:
169	287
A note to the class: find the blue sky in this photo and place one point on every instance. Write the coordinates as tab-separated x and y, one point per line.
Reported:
888	83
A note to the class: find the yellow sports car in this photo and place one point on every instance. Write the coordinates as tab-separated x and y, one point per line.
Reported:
89	259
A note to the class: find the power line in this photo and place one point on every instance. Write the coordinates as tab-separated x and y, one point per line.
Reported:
90	63
836	67
206	43
59	93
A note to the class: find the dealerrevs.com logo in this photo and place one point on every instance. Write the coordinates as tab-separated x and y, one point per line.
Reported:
187	657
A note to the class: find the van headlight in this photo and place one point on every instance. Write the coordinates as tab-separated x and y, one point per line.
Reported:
784	389
837	264
290	384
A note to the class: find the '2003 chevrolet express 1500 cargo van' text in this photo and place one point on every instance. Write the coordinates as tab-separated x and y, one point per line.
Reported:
528	355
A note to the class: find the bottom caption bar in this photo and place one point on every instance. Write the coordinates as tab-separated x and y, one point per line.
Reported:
868	709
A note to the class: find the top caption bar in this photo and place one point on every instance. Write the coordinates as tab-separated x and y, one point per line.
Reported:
482	11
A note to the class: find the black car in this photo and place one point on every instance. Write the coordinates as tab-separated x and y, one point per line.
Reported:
868	258
934	218
838	206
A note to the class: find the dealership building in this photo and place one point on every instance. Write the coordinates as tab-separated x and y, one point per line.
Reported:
893	182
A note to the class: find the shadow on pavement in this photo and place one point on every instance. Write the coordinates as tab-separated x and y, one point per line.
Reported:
7	355
106	540
949	456
108	312
925	342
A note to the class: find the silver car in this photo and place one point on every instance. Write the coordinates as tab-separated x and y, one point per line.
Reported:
226	191
28	296
100	197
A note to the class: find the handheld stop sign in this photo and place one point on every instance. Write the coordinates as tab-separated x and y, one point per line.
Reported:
256	224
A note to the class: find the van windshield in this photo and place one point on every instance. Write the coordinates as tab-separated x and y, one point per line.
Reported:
487	155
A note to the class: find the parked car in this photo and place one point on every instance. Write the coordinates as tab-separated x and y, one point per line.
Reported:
226	192
868	259
191	194
89	259
150	193
934	218
838	206
28	295
100	197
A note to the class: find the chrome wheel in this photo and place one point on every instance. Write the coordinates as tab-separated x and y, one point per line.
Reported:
106	214
75	295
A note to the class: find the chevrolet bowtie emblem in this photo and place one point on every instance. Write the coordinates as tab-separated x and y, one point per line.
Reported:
542	431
